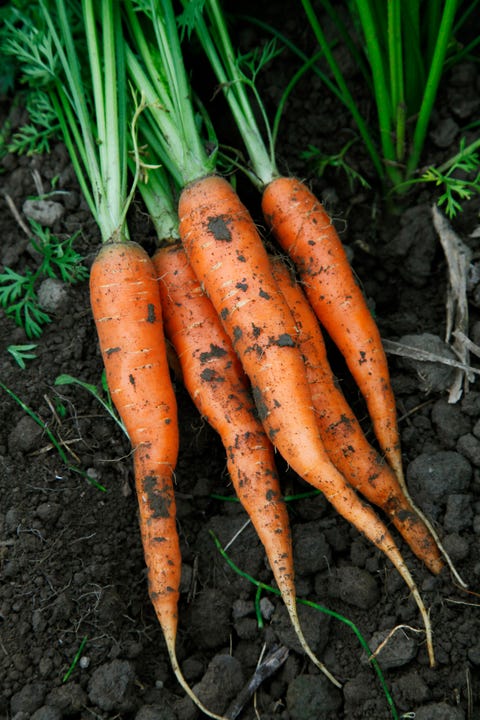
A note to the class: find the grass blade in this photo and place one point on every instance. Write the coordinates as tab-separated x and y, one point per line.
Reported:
321	608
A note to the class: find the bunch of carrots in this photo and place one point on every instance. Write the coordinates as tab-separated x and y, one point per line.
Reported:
246	325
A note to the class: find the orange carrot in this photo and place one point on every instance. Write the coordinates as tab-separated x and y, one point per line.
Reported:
126	307
216	381
305	231
229	259
341	433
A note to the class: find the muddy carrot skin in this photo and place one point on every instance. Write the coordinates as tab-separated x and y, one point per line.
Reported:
126	307
216	382
229	259
342	434
305	231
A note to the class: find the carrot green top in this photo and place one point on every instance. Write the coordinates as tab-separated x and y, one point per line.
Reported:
156	68
76	54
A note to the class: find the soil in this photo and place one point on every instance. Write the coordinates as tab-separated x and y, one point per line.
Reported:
78	636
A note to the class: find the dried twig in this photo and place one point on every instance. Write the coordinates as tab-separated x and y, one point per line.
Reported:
20	221
396	348
469	344
273	661
458	256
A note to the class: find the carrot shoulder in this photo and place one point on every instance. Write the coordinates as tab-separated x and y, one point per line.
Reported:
229	259
341	433
216	382
305	231
126	308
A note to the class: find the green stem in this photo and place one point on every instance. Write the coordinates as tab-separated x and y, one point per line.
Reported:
223	61
414	62
453	160
431	84
167	92
157	194
93	114
75	660
383	98
395	52
343	88
73	142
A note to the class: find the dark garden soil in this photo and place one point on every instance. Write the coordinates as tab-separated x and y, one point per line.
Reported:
70	554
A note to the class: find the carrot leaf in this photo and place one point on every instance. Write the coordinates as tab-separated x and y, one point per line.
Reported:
107	404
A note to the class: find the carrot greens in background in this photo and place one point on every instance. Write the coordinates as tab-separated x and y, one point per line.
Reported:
408	48
458	178
403	50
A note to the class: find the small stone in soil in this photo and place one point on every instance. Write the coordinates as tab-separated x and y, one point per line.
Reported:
156	712
311	551
456	546
44	212
355	586
410	690
28	699
25	436
47	712
469	446
48	512
312	696
111	686
432	477
70	698
450	422
399	650
52	293
439	711
459	513
221	683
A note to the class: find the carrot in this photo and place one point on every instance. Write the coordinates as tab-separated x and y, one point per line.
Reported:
126	307
229	259
341	433
216	381
305	231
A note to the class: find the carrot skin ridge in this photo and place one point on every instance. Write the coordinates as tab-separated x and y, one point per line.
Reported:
341	433
305	231
219	387
127	312
229	259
